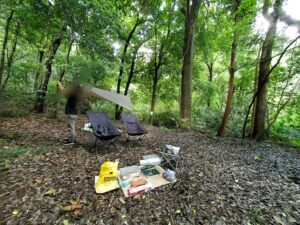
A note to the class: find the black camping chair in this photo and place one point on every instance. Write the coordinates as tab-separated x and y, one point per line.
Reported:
104	129
132	126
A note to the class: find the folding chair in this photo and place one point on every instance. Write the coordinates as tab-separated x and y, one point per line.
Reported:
170	158
132	126
104	129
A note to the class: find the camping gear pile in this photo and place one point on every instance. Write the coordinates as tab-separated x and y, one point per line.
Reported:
133	179
137	179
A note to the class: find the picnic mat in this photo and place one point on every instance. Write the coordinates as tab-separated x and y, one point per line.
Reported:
155	180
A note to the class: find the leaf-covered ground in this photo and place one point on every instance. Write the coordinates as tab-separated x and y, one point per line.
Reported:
220	181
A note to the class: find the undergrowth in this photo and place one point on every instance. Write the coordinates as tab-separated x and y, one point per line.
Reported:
9	153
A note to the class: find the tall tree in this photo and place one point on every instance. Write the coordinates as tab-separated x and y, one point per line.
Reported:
62	75
159	55
255	85
210	67
123	57
265	81
4	43
11	56
259	119
232	69
40	57
41	93
190	12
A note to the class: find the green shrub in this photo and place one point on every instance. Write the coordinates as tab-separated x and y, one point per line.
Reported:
103	106
205	118
167	119
16	103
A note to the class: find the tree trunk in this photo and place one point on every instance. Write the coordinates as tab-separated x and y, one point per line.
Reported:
42	92
61	77
131	73
255	87
156	77
62	73
158	62
191	13
224	122
38	72
4	43
121	69
210	78
258	132
153	99
264	81
11	56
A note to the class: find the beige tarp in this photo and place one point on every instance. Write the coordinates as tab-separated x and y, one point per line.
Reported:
121	100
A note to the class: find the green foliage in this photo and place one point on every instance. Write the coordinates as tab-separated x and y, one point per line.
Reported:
12	153
257	216
40	150
257	158
167	119
8	153
16	103
206	119
99	29
103	106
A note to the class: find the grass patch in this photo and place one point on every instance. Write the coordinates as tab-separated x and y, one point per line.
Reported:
40	150
7	154
257	216
10	153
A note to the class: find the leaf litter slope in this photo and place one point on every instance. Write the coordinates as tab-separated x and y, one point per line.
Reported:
220	181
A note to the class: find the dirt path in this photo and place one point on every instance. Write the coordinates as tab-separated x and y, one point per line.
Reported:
220	181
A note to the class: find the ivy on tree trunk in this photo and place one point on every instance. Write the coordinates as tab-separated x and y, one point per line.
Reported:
42	92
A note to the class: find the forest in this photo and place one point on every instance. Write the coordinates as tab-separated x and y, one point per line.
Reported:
219	78
229	67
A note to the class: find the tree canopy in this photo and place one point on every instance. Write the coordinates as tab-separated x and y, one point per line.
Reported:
197	64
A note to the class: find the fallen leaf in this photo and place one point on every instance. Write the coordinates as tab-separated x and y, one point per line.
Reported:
292	219
220	222
137	197
51	191
194	211
66	222
279	220
15	212
102	202
38	180
178	211
72	207
122	200
77	212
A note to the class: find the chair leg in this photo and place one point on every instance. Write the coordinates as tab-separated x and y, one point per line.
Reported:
148	142
94	145
113	142
114	145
